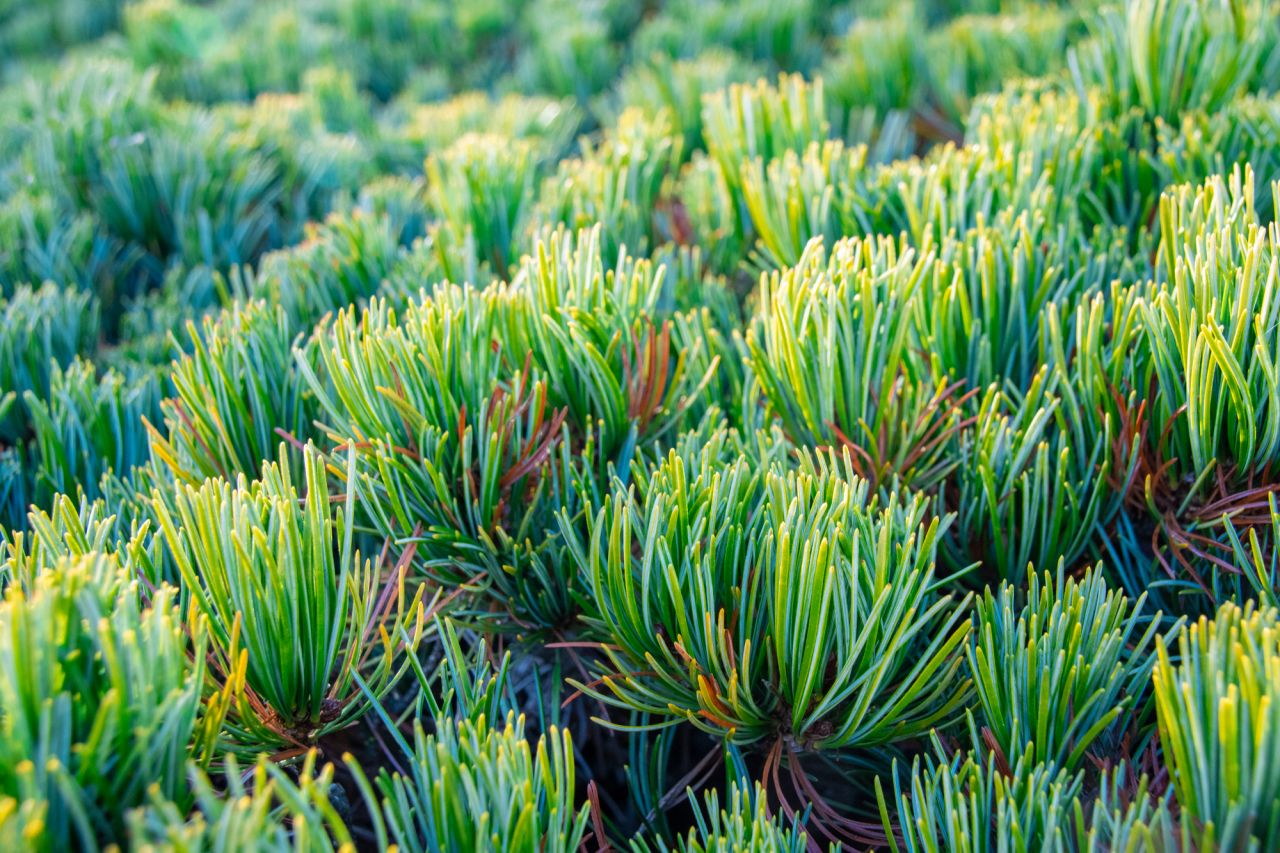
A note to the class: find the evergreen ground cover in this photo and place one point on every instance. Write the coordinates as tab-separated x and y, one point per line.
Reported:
688	425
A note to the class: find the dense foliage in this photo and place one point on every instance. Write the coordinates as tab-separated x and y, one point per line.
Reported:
692	425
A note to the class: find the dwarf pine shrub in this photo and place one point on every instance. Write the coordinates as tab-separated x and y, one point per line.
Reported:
344	261
1204	472
262	809
44	242
676	86
878	65
797	570
1031	486
834	353
797	198
237	393
977	803
457	452
325	624
605	336
743	822
1241	134
44	328
414	127
1219	693
101	704
986	323
746	122
1135	49
482	188
617	183
1050	688
974	53
86	428
476	785
71	530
